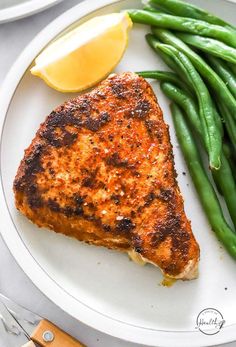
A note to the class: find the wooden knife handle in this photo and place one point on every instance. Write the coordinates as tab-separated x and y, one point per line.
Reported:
49	335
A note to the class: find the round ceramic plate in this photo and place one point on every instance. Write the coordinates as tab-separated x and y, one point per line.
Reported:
16	9
103	288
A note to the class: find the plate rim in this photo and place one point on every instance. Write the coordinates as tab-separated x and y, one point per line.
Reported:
25	9
29	264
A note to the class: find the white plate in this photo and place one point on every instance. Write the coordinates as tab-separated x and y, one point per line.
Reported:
16	9
103	288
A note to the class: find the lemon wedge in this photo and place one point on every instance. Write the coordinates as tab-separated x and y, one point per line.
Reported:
84	56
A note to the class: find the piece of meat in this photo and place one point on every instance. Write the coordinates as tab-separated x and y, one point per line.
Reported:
101	169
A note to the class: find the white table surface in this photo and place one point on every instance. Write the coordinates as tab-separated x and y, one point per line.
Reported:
14	283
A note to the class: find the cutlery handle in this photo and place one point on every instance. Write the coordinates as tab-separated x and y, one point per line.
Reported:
47	334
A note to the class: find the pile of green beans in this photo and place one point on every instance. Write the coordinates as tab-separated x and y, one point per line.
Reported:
203	186
201	50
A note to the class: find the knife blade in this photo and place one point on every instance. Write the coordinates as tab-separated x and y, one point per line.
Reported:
9	325
5	338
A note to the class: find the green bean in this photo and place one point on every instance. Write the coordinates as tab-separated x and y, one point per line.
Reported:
209	45
232	68
153	8
190	25
225	180
149	7
202	184
215	82
165	76
231	158
227	150
222	177
186	102
218	119
165	57
169	62
224	72
229	123
184	9
207	115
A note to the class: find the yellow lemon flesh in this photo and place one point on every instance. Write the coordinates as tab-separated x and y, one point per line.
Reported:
84	56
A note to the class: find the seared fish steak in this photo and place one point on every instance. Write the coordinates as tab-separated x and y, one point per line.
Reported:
101	169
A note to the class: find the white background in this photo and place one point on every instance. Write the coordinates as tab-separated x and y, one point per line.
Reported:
14	283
